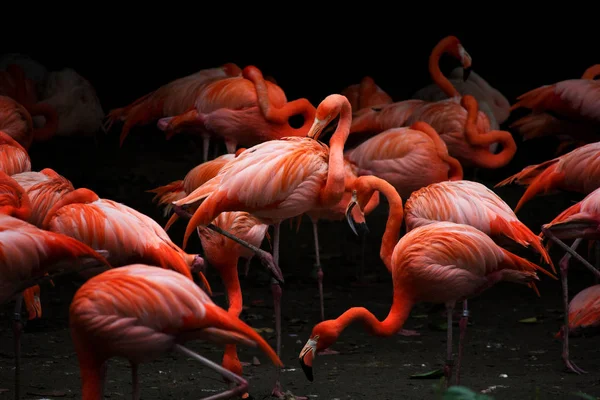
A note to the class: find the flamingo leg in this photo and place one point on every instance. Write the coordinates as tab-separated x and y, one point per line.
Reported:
572	252
236	391
205	144
319	269
564	267
135	382
449	357
17	330
597	247
464	320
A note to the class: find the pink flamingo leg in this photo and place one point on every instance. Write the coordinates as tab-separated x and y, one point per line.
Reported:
572	252
564	267
319	269
236	391
449	356
205	144
17	330
464	320
135	382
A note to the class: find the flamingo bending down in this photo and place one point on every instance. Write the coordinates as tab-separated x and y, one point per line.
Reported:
493	103
278	180
44	189
408	158
366	94
581	221
13	157
14	200
109	317
244	111
441	262
577	171
568	108
583	313
28	254
465	130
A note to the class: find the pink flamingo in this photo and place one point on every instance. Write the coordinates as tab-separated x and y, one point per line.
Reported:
581	221
366	94
441	262
278	180
109	317
13	157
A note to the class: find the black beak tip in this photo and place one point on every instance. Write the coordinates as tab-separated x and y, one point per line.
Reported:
308	371
362	229
466	73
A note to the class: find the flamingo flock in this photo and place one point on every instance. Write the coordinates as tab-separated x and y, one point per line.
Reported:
447	239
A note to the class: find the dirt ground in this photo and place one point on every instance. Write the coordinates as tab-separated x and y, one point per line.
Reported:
505	358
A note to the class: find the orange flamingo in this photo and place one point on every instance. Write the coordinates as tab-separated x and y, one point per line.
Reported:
583	313
28	254
407	158
441	262
16	122
465	130
128	235
366	94
244	111
44	189
581	221
577	171
109	318
13	157
278	180
14	200
568	108
223	254
173	98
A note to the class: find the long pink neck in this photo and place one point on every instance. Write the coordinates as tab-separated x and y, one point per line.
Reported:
336	175
229	275
592	72
434	66
399	312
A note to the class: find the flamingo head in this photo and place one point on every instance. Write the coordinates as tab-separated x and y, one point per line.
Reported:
355	217
465	60
324	335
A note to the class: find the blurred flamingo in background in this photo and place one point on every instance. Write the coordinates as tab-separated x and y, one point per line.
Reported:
13	157
27	254
577	171
173	98
568	109
465	130
244	111
278	180
581	221
109	317
408	158
366	94
493	103
16	122
441	262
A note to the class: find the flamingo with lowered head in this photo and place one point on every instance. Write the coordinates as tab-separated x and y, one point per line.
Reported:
441	262
13	157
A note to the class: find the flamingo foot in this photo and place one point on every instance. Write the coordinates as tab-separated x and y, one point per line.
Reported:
328	352
571	366
280	394
408	332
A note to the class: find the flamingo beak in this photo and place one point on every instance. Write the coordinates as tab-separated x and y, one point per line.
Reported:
359	229
306	357
317	128
466	73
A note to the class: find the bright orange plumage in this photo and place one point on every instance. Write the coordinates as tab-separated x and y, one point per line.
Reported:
13	157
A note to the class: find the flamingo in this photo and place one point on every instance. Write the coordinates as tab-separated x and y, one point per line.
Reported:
568	107
44	189
109	317
278	180
223	254
244	111
583	313
577	171
493	103
14	200
465	130
441	262
173	98
366	94
128	235
409	158
16	121
13	157
27	255
580	221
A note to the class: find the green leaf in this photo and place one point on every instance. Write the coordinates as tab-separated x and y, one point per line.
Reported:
531	320
584	396
437	373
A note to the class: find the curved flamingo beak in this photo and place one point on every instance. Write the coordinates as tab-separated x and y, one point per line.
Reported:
317	128
306	357
358	227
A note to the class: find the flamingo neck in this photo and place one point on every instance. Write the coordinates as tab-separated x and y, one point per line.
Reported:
592	72
443	83
455	170
230	278
397	316
51	116
333	191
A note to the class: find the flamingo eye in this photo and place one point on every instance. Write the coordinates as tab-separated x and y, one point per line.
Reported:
377	108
